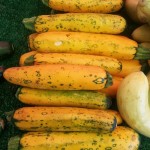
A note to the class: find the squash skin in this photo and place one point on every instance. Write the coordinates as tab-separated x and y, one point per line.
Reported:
133	102
121	138
81	22
114	66
102	6
59	77
111	65
64	119
85	99
115	46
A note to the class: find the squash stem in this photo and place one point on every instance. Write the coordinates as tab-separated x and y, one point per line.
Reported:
143	49
29	23
140	56
7	116
142	53
109	80
13	143
18	92
29	61
45	2
114	125
109	104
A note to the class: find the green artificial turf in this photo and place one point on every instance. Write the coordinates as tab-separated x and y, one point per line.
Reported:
12	12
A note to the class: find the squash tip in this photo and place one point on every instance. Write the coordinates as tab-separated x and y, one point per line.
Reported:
109	81
13	143
45	2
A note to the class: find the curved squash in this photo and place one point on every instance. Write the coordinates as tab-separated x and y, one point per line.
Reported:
133	102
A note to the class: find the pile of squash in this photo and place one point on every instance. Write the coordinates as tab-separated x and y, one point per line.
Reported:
133	94
77	60
139	12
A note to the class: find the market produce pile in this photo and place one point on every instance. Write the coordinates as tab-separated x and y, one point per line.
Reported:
74	77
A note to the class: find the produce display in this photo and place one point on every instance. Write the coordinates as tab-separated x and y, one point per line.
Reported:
139	11
83	81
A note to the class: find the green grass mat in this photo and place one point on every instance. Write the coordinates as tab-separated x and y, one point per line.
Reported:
11	29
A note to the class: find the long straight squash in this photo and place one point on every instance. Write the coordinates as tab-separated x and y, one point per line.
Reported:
85	99
116	46
99	6
59	77
122	138
111	65
64	119
77	22
114	66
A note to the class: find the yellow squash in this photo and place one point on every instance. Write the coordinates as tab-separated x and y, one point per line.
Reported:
116	46
64	119
59	77
122	138
103	6
77	22
87	99
112	65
